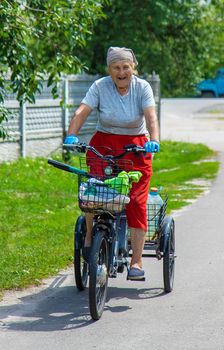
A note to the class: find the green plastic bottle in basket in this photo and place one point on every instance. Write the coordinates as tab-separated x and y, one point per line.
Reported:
154	203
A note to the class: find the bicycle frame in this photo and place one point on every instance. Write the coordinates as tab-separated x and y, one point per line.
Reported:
115	235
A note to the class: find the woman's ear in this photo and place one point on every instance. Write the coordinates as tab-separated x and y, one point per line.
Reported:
135	72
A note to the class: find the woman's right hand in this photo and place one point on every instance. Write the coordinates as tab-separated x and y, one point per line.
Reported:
152	146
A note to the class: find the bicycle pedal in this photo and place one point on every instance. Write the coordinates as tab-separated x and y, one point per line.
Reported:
120	269
112	275
141	279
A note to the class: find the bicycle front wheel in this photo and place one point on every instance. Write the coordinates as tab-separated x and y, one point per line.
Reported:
98	275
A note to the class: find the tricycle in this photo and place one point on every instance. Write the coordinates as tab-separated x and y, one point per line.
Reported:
111	249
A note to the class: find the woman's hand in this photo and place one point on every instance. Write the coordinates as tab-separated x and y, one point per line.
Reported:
71	139
152	146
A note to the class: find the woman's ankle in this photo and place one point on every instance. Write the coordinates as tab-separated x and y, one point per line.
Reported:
88	241
136	265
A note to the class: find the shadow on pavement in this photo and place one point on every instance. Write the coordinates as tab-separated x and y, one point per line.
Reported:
134	293
64	308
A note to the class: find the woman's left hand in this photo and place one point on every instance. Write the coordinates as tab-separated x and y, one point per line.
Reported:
152	146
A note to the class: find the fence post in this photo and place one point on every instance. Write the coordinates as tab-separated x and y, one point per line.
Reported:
22	126
156	89
65	115
154	81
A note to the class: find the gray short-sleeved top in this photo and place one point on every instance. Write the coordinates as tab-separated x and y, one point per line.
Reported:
123	115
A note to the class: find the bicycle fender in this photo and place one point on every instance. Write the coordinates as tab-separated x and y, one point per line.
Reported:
98	227
81	221
166	228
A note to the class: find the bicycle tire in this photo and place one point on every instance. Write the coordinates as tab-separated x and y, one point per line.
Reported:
80	266
169	260
98	275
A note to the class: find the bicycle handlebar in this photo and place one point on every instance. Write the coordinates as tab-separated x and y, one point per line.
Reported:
82	147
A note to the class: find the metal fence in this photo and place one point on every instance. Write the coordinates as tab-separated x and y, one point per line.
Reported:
38	129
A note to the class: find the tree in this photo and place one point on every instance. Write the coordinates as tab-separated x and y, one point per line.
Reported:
178	39
40	38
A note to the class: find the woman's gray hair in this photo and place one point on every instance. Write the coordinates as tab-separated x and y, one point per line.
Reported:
119	54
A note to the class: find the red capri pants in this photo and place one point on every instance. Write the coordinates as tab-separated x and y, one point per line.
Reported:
136	209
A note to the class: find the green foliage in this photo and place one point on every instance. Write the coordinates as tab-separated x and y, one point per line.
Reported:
38	208
180	40
42	38
216	25
4	115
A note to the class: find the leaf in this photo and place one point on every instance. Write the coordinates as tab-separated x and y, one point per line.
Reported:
42	37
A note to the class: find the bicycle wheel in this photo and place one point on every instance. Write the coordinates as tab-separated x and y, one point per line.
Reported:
98	275
80	266
169	259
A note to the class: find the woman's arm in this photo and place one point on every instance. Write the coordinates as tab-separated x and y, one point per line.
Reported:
79	119
152	123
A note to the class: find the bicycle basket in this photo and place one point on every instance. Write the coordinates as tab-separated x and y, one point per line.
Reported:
155	216
104	190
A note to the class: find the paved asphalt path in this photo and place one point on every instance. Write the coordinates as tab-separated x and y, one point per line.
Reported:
138	315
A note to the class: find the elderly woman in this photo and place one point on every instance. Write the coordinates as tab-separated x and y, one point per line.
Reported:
126	116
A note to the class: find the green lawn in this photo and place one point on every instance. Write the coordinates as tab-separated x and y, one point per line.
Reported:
38	208
178	165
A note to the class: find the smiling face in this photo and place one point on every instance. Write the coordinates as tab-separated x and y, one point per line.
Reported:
121	73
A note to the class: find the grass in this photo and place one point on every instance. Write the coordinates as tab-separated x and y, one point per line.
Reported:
216	111
38	208
37	214
176	168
